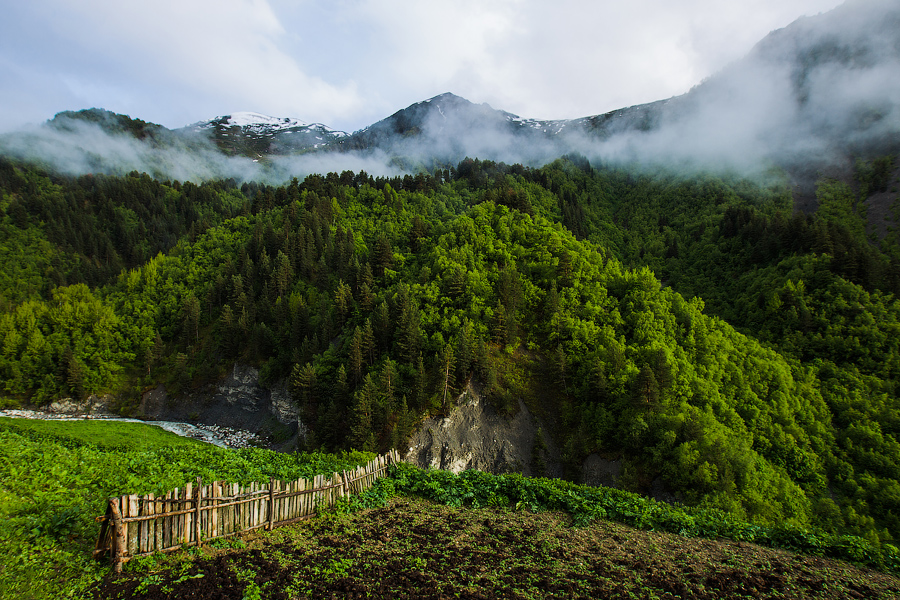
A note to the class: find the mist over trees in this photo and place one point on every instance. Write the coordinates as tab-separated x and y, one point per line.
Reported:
809	98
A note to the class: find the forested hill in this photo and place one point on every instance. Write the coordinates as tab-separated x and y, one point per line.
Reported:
694	326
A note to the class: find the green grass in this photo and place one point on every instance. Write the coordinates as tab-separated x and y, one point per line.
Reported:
103	434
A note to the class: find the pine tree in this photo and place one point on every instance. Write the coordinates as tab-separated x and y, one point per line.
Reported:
361	433
356	355
383	326
304	383
384	255
646	388
410	336
284	274
420	384
343	299
368	340
191	318
341	390
366	297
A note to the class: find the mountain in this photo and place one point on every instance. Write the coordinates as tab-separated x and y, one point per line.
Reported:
255	135
112	123
447	128
808	98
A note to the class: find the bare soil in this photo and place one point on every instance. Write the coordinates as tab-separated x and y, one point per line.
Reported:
415	549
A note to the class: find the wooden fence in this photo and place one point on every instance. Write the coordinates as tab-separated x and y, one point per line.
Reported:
140	525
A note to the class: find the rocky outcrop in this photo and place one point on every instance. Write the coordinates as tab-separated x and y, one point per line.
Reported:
239	401
475	436
282	406
241	389
91	406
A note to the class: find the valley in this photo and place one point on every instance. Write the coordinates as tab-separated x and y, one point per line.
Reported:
690	305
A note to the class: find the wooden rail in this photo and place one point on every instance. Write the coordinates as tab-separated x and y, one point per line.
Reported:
140	525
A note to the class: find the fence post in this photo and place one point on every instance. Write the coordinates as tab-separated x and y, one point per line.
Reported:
119	529
271	503
187	525
198	495
107	533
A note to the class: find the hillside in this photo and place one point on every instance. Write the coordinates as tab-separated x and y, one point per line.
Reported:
379	300
416	549
415	533
56	478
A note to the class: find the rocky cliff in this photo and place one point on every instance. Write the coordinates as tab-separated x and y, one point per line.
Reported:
239	402
475	436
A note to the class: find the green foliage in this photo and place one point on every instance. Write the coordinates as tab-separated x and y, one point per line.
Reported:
744	356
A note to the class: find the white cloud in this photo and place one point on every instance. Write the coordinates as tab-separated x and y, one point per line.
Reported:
571	58
348	63
228	53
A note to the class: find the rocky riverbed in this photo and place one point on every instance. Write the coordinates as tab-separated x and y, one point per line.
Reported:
236	412
238	402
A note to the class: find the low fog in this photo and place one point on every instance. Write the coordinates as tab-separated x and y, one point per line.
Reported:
77	147
815	93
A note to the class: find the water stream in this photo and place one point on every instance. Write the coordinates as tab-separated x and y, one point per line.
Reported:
224	437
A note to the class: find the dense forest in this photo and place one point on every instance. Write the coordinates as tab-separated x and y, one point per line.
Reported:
692	325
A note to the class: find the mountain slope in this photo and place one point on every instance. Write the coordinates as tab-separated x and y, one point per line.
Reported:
446	128
807	97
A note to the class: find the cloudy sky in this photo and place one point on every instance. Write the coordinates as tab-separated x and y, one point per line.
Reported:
349	63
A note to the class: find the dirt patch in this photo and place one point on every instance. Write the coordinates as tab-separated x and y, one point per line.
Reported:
414	549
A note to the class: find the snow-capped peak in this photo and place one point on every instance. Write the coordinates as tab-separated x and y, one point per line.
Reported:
252	119
260	124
